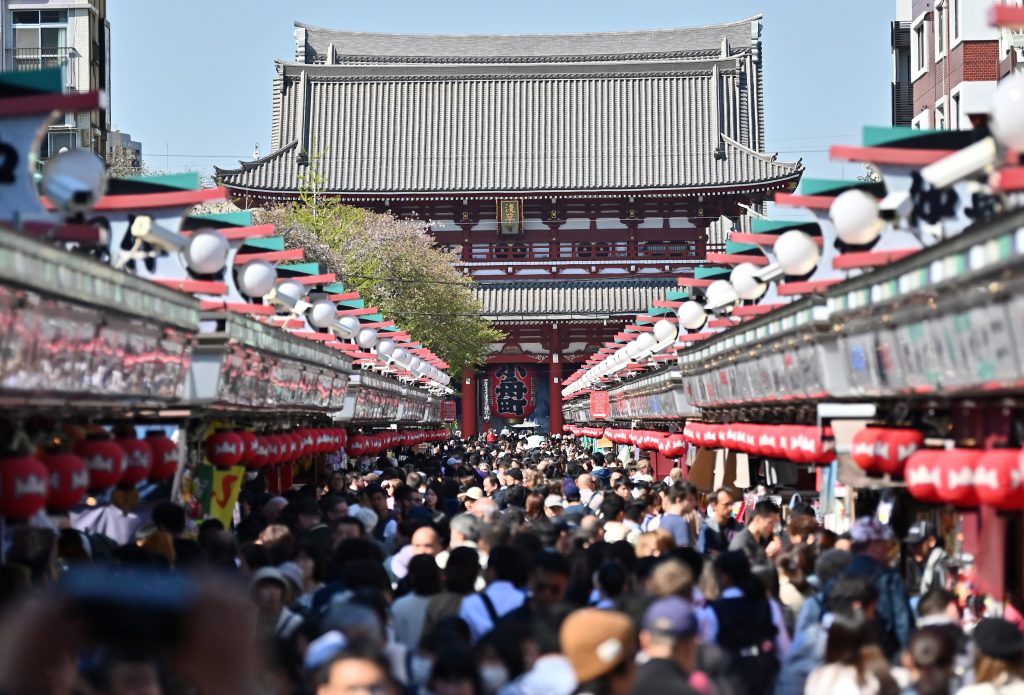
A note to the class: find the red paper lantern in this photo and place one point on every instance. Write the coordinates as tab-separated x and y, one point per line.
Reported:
673	446
356	446
138	461
68	480
224	449
23	486
769	441
105	460
307	442
260	457
922	475
894	447
250	442
165	456
294	446
862	448
999	479
956	479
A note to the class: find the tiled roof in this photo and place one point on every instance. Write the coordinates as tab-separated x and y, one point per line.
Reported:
383	47
634	124
581	299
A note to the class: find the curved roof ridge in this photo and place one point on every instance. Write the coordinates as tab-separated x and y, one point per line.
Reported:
622	32
771	158
741	35
252	164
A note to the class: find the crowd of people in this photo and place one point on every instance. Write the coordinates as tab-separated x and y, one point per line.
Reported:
484	567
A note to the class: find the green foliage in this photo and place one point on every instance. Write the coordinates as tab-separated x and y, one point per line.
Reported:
396	267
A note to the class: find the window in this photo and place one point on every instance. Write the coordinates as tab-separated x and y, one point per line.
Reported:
940	31
919	44
40	39
954	18
55	140
954	112
940	114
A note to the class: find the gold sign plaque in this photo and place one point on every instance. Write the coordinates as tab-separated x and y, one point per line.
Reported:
510	217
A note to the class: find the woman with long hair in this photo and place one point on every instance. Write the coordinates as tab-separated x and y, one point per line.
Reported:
854	662
999	664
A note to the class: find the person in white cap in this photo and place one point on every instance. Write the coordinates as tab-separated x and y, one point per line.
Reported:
554	506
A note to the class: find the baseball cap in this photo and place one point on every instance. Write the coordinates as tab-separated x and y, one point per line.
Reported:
596	641
671	615
553	501
473	493
919	532
268	574
868	530
293	573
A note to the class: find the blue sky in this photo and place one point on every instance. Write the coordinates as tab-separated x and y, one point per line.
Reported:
192	79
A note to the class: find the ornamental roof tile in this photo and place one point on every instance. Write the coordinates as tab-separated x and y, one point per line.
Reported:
515	47
580	299
689	118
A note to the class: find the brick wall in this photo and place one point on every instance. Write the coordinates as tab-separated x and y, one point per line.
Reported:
980	60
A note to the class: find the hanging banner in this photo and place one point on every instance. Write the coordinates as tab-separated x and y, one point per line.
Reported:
217	490
600	405
512	389
447	411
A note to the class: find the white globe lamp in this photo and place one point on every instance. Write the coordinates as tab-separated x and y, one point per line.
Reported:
855	216
1007	121
207	252
633	350
646	341
401	356
74	181
295	291
366	338
386	348
692	315
796	253
322	314
744	280
721	293
348	326
665	330
257	278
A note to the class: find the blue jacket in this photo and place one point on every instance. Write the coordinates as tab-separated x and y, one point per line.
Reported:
894	615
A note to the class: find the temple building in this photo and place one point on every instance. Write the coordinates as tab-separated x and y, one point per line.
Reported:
575	175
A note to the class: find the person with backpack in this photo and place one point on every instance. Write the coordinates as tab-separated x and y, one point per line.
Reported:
872	542
744	625
507	574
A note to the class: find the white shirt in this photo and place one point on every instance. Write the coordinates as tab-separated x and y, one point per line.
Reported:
505	597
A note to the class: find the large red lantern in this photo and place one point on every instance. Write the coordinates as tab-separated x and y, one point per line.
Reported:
307	442
894	447
356	446
862	448
138	460
922	474
105	460
769	441
69	480
165	456
23	486
224	449
250	442
956	479
999	479
673	446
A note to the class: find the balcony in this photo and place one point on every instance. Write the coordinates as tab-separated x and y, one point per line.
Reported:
899	35
902	103
20	59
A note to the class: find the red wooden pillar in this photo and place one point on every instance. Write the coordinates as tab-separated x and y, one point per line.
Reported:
469	422
555	393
